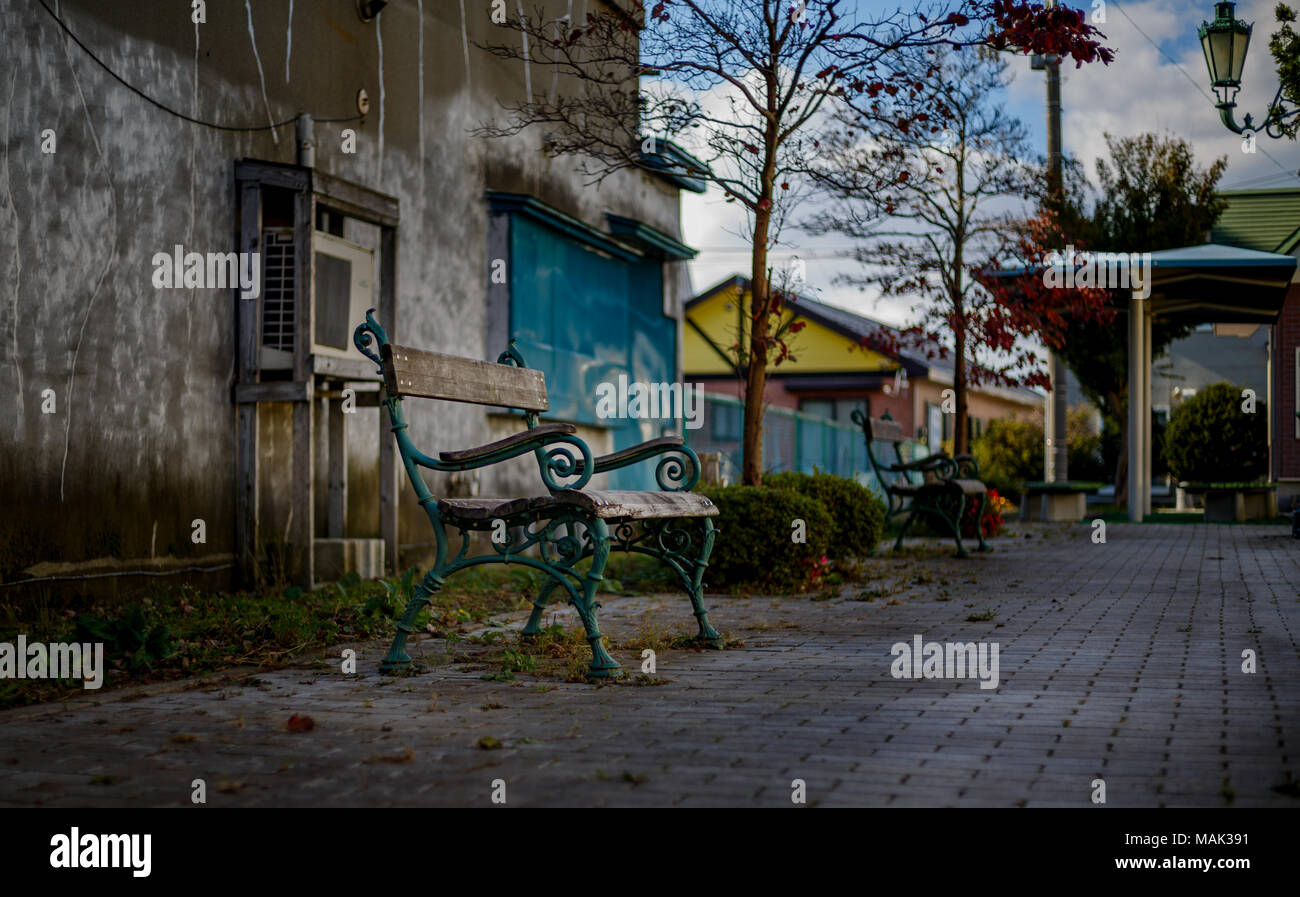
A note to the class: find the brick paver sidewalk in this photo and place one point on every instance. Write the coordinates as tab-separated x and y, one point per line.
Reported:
1120	661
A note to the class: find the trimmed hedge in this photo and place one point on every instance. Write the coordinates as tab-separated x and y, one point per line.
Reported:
857	515
754	545
1211	438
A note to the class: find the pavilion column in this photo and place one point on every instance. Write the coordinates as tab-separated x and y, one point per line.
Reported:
1148	446
1138	383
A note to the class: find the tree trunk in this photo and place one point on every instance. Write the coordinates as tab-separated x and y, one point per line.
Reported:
961	432
756	379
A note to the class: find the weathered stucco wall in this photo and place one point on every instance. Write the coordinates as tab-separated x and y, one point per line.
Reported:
141	441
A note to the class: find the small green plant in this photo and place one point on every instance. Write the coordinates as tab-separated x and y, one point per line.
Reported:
984	617
397	592
518	662
128	639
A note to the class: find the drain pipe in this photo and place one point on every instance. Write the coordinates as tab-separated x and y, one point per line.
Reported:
306	140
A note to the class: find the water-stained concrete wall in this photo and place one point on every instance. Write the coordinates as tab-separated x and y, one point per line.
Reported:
141	438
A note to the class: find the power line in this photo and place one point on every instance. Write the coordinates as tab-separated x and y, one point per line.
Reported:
165	108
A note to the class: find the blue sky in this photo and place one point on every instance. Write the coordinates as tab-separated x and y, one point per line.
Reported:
1142	90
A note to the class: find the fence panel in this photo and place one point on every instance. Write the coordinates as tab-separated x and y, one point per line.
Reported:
791	441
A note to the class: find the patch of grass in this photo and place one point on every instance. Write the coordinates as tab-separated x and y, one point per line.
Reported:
984	617
169	632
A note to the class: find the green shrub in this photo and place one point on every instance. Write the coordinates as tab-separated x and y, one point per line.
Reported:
1084	448
754	547
1009	454
857	515
1211	439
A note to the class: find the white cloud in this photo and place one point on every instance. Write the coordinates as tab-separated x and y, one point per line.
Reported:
1140	91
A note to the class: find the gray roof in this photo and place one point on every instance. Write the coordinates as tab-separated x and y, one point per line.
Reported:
855	326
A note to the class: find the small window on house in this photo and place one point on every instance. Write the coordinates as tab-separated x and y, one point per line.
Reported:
726	421
818	407
839	410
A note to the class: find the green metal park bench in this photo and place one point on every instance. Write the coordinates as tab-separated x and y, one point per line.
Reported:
554	532
937	488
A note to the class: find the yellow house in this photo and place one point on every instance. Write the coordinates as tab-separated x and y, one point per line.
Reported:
830	370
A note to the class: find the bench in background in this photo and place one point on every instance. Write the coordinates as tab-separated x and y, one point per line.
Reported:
937	488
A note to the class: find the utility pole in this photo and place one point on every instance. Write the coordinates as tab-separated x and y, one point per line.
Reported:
1056	460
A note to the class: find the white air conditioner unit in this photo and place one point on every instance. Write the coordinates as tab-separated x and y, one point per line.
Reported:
343	288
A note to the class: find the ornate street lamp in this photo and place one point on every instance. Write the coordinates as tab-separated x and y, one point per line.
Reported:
1224	42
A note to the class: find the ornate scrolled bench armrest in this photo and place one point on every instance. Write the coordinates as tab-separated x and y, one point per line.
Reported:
531	437
967	467
559	461
942	466
672	472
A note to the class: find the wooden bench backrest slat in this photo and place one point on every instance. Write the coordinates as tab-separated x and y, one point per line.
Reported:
411	372
886	430
887	434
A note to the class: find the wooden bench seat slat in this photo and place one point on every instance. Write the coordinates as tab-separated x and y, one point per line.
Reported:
430	375
605	504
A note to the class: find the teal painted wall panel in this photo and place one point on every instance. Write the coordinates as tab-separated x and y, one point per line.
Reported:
584	318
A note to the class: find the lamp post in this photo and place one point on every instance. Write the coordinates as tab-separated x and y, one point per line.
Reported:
1224	42
1056	453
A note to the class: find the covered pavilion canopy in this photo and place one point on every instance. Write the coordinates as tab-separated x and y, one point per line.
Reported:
1195	284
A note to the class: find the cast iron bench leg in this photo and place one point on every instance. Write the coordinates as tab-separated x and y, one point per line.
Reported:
397	660
898	543
953	524
695	586
533	627
979	523
602	665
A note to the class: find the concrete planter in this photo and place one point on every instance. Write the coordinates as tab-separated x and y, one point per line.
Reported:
1055	502
1239	505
